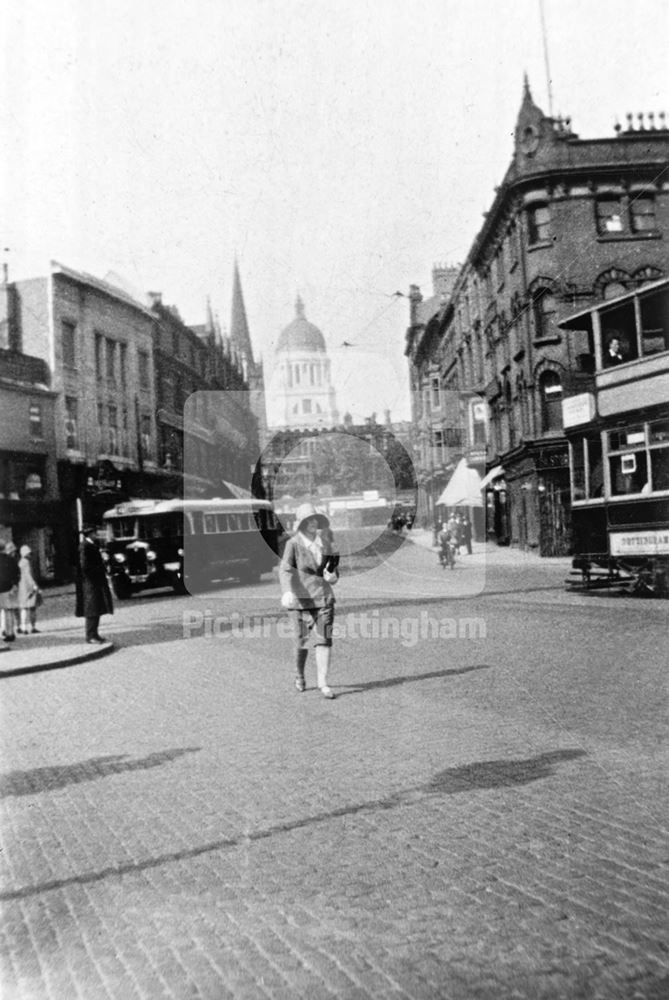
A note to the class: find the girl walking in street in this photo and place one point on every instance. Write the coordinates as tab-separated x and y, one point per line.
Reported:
307	572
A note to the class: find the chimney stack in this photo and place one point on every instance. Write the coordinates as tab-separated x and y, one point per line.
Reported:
443	280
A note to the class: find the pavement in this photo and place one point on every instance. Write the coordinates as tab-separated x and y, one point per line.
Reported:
27	655
59	643
494	555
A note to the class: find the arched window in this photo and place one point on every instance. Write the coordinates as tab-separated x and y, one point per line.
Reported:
613	289
550	388
539	223
544	315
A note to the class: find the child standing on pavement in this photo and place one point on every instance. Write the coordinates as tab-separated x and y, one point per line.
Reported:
307	572
28	593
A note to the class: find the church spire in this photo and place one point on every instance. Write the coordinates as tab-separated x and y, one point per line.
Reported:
239	327
209	321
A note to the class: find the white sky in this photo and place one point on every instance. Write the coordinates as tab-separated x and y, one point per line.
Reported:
338	148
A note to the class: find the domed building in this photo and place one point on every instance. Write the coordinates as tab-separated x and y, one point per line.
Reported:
301	394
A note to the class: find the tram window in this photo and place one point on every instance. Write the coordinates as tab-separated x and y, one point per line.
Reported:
587	468
659	469
654	325
595	467
659	432
222	522
578	470
209	524
628	438
629	473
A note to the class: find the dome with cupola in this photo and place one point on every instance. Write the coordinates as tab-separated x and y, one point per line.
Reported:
301	335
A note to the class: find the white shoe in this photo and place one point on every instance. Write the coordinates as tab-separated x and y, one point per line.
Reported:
327	692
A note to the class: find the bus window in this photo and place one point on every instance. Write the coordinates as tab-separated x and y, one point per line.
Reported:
209	524
122	527
174	526
222	522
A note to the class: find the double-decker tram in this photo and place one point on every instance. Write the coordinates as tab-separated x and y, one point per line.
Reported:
618	432
186	544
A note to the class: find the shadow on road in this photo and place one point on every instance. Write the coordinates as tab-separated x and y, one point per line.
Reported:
479	776
498	773
388	682
49	779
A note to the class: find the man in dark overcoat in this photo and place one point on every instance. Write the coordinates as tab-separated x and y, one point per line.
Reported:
92	590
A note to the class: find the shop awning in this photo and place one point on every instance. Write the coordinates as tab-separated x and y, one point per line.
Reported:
463	489
489	476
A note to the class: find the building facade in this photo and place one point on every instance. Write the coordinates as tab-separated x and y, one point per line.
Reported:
30	509
98	344
207	434
574	221
134	403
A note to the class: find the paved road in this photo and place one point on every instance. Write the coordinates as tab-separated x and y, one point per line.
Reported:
480	814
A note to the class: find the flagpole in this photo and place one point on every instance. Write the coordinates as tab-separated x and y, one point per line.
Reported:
545	45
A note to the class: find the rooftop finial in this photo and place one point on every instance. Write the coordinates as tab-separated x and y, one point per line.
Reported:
299	306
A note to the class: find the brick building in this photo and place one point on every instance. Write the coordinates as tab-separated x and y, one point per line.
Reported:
134	403
30	509
207	434
572	222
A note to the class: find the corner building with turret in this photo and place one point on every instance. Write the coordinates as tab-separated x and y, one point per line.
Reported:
574	221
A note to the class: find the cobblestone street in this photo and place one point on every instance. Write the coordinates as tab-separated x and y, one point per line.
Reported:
482	816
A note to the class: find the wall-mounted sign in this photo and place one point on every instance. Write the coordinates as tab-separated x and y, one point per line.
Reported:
578	409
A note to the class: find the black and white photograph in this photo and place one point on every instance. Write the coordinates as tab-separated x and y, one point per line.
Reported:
334	500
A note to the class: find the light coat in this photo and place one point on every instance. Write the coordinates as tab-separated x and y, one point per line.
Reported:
301	572
27	584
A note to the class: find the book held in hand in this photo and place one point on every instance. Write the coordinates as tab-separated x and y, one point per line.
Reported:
328	563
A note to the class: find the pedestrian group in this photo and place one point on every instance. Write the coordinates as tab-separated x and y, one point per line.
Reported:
19	594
